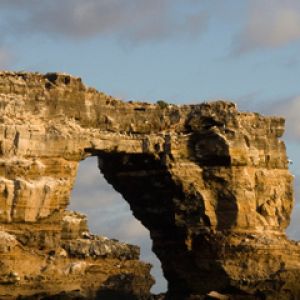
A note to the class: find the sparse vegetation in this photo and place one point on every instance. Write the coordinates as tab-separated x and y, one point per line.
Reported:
162	104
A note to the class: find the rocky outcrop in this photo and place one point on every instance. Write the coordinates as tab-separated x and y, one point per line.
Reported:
78	267
210	183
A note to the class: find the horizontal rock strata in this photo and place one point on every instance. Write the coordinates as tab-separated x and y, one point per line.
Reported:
79	267
210	183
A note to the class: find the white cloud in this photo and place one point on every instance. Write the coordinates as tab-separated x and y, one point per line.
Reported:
269	24
133	229
290	109
136	20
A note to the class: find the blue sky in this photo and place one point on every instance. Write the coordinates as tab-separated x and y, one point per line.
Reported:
180	51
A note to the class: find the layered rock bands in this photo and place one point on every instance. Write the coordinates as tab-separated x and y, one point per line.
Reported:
210	183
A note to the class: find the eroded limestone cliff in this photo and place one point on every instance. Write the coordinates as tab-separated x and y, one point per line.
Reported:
210	183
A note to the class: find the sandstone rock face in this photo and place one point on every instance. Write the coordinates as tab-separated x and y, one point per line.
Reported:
210	183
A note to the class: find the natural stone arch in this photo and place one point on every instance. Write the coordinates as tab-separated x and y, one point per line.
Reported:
216	189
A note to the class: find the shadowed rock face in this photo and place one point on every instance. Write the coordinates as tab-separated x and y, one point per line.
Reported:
210	183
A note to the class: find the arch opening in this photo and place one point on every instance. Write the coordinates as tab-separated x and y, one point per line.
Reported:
108	214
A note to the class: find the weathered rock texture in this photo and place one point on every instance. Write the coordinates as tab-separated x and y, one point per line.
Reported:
210	183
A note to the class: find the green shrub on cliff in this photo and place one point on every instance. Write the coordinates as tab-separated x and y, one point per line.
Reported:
162	104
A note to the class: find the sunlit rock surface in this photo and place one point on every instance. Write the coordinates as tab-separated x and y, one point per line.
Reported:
210	183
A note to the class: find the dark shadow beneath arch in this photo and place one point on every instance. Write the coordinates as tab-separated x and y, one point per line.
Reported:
113	295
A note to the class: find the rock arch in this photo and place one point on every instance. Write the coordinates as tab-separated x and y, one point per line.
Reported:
210	183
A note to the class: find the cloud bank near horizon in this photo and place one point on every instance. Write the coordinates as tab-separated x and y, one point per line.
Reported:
269	25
